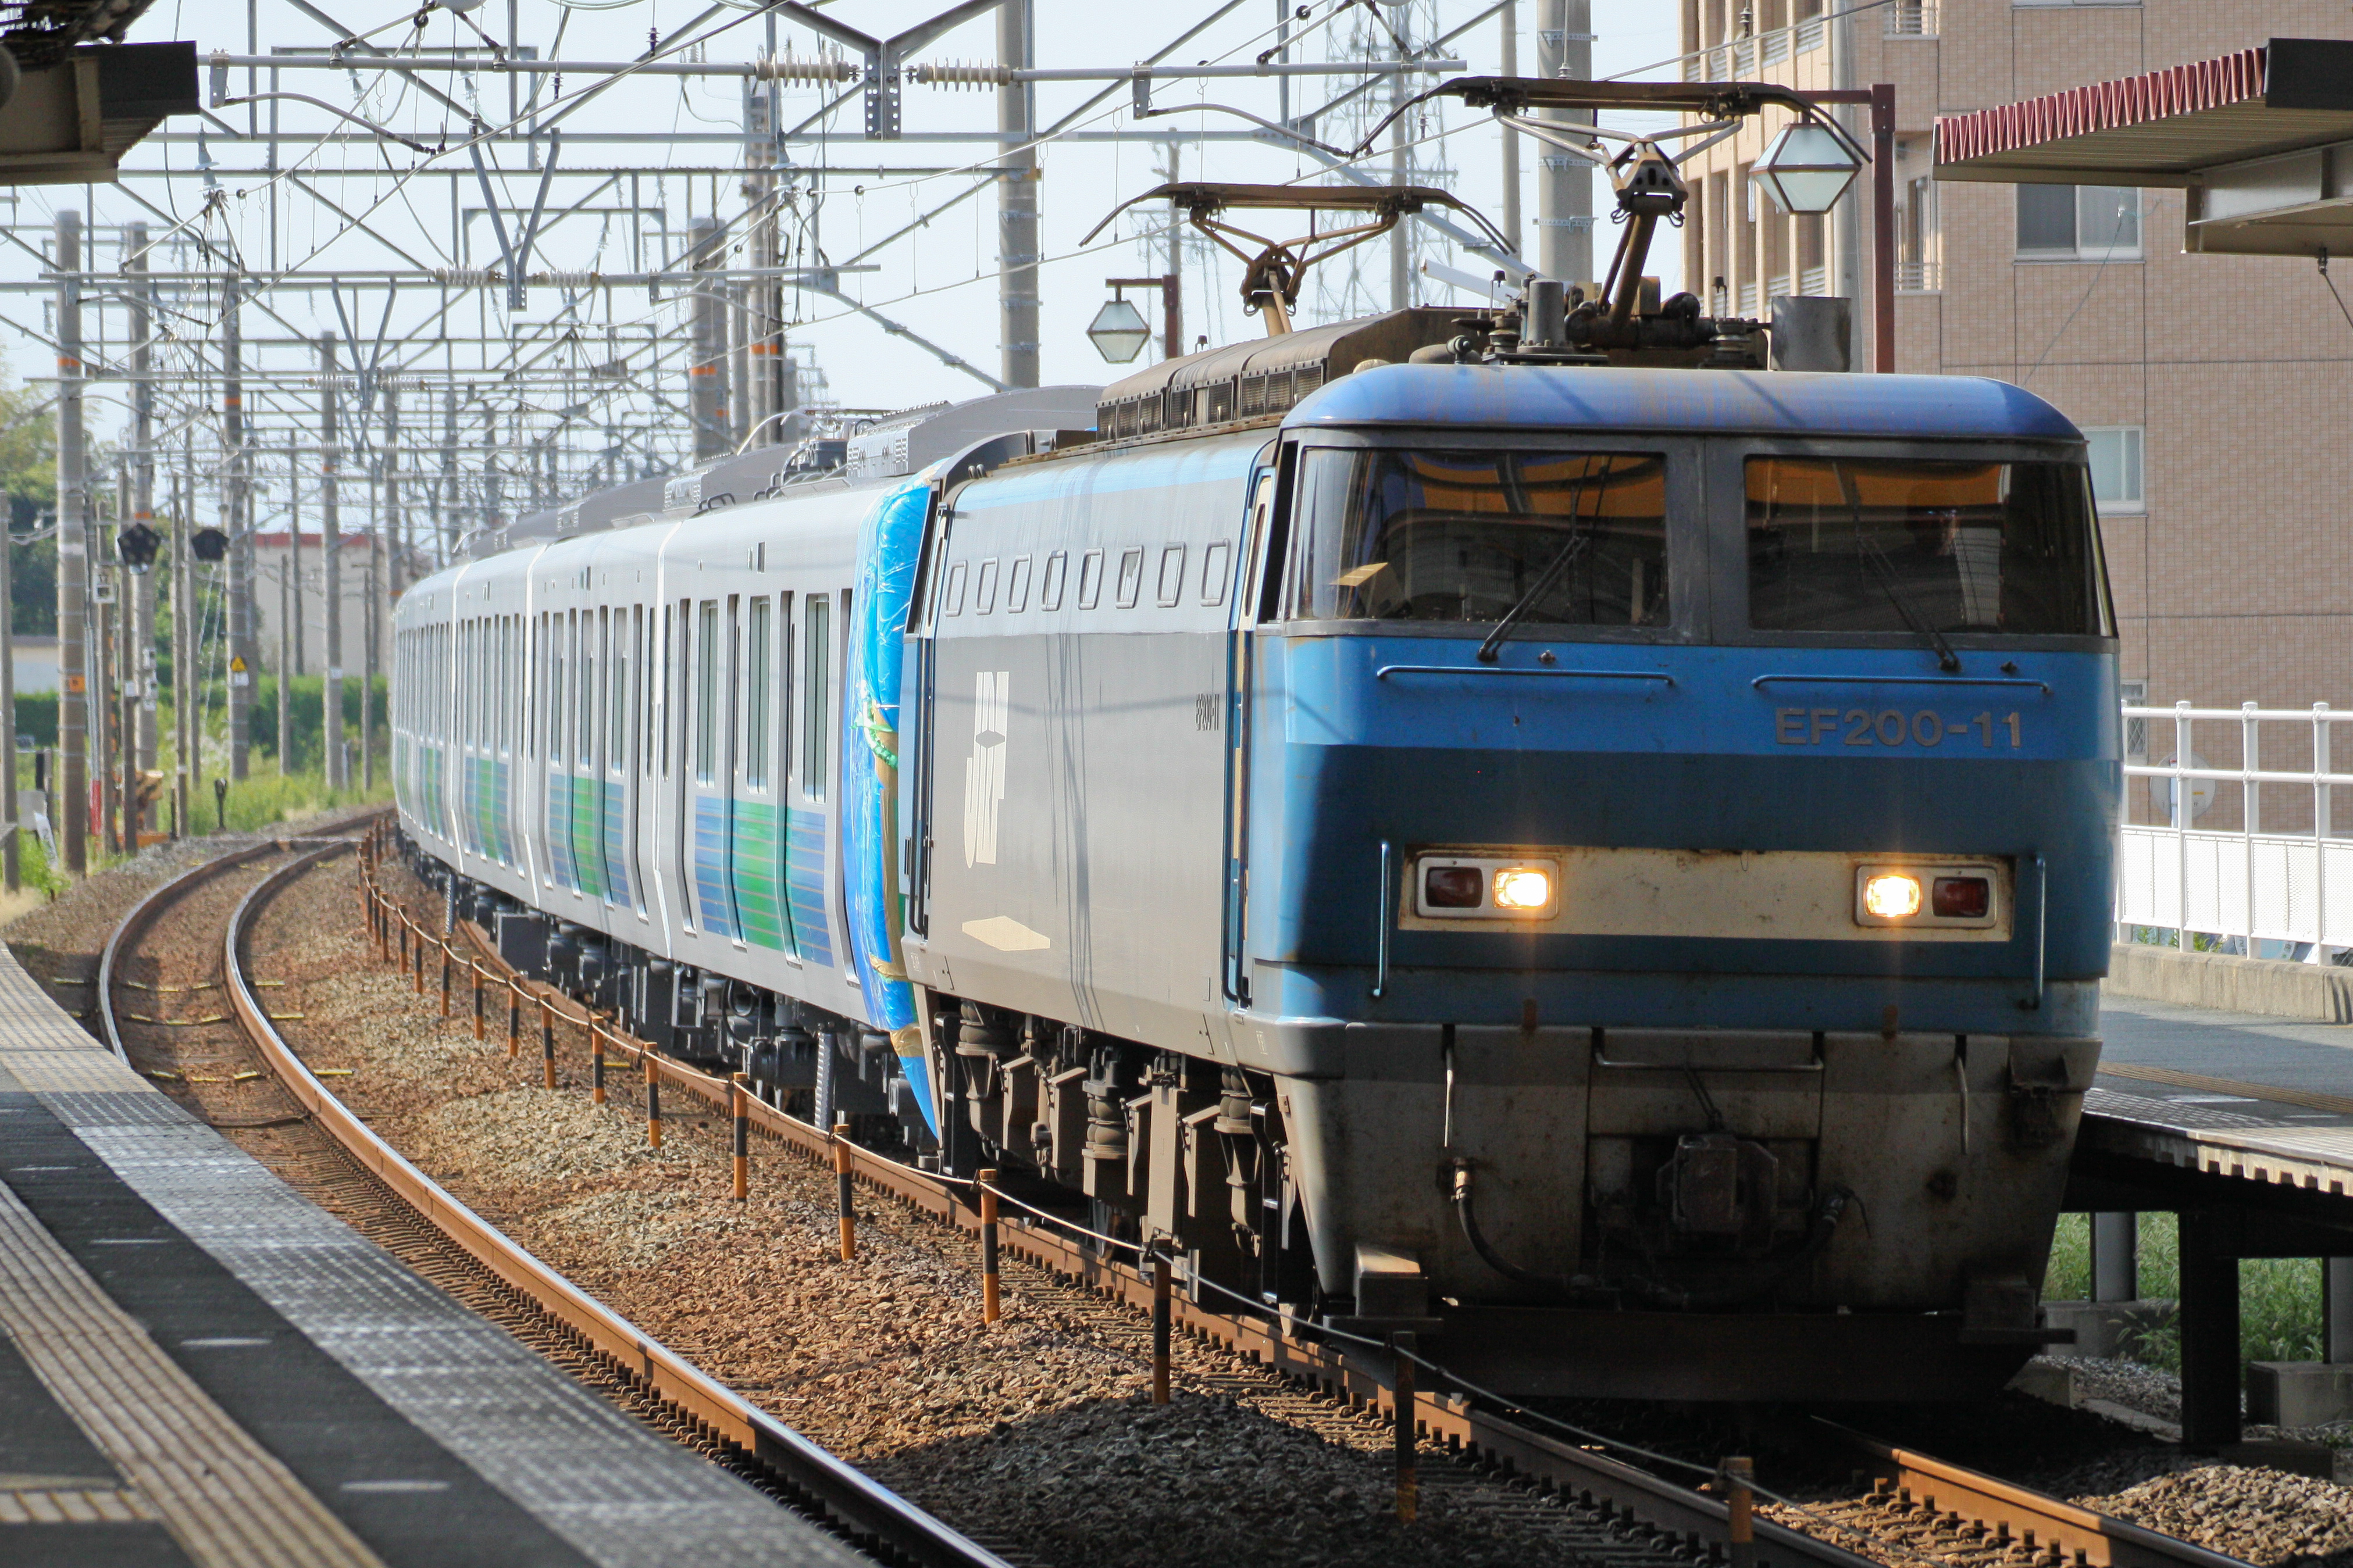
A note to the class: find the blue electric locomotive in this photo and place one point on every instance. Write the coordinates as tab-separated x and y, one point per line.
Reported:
1595	865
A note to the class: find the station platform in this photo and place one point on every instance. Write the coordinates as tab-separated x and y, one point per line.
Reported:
200	1366
2234	1095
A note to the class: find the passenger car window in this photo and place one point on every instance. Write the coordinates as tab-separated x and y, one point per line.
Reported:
1050	590
1017	585
1090	579
1464	536
1217	565
984	588
1873	544
1172	574
1131	577
955	594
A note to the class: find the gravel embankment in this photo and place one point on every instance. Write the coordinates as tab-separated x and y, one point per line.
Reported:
2265	1517
1034	1431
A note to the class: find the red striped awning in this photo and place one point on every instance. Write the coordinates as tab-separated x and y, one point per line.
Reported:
2158	129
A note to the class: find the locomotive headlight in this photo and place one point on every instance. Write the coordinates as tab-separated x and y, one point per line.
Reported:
1522	888
1891	896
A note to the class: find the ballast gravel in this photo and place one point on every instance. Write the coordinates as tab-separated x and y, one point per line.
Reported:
1035	1435
2265	1517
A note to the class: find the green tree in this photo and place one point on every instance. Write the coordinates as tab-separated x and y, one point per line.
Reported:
28	473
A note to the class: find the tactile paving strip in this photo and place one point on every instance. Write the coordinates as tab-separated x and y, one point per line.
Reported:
226	1499
623	1497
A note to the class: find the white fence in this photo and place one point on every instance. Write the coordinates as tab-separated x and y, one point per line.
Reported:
2294	884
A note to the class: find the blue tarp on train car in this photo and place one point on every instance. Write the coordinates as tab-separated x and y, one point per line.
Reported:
889	541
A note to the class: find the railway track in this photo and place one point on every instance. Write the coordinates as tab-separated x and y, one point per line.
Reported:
1918	1509
178	1002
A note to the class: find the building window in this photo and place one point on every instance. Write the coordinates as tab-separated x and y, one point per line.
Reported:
1916	246
2078	223
2115	453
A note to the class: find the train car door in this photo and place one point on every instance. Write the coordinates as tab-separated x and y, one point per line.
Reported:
806	899
554	631
705	778
758	859
587	813
1239	667
637	753
613	634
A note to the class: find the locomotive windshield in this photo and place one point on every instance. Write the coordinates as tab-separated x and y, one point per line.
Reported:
1464	536
1856	545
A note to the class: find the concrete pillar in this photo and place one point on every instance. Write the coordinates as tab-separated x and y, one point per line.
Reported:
188	760
288	616
12	869
236	522
331	557
73	559
396	513
1565	184
2210	1330
142	493
2116	1257
1017	206
1509	26
445	494
1400	242
706	360
2336	1309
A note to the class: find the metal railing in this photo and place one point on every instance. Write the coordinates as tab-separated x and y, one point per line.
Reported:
1912	19
1919	277
1738	60
2293	885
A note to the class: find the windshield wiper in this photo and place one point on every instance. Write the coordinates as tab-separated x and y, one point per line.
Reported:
1579	539
1876	558
1946	659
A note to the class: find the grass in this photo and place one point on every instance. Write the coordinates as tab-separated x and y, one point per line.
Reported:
254	804
2279	1298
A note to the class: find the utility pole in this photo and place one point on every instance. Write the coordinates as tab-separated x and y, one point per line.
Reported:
235	522
286	607
1401	244
1017	205
371	619
331	554
763	397
1565	184
1509	23
187	754
103	602
143	490
73	557
444	525
298	652
739	376
126	660
395	517
12	869
706	365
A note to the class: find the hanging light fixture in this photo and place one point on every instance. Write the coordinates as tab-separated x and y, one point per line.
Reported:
1806	169
1118	330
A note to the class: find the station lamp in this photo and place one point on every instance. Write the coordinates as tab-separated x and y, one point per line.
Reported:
1119	331
1806	169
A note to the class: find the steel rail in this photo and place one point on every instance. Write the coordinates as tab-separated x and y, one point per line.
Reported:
1361	1379
861	1507
1287	1347
141	915
2056	1529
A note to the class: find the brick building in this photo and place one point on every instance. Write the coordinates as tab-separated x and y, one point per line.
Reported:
2212	388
